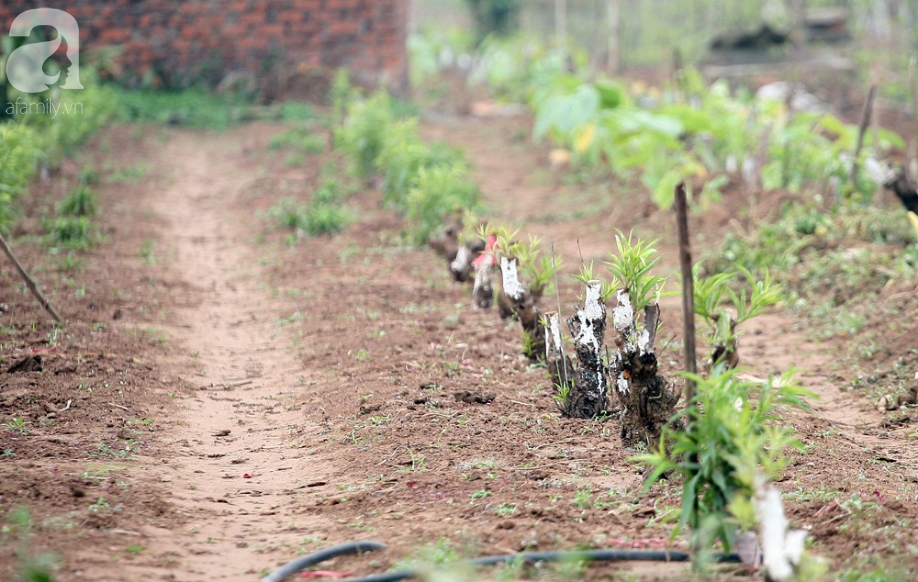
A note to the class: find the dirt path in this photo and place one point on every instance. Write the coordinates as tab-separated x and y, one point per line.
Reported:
234	440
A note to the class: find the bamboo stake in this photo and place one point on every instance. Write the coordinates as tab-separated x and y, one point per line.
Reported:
688	290
862	129
30	282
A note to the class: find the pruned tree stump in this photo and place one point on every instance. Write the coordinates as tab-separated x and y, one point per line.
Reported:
588	395
518	300
648	399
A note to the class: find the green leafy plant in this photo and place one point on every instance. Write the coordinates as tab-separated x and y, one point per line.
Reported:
73	232
299	139
341	94
438	191
81	202
363	132
18	426
327	219
195	108
313	219
631	269
30	566
88	176
402	156
537	268
20	153
734	433
721	308
325	213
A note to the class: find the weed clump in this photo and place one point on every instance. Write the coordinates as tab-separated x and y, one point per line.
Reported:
81	202
74	232
324	214
439	191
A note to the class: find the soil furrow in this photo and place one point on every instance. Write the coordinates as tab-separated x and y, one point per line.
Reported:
234	440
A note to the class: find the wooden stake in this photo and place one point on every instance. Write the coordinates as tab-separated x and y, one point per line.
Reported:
613	55
561	24
913	105
30	282
688	289
862	129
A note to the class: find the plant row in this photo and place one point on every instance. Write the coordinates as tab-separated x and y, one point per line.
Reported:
689	131
731	424
35	137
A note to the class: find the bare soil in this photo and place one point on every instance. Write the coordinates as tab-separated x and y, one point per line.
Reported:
256	400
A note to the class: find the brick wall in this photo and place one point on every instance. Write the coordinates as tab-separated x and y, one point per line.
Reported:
183	42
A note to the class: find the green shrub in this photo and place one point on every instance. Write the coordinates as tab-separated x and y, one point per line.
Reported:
401	157
438	191
292	111
362	134
76	116
30	565
341	94
196	108
80	202
46	136
298	139
329	190
72	232
326	218
88	175
288	214
325	213
735	433
19	157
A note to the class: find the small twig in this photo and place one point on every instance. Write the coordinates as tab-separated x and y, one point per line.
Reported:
390	457
666	345
446	416
69	402
30	282
119	406
236	384
554	265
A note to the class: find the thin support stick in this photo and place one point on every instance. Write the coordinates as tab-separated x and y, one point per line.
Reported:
688	290
913	105
865	122
30	282
554	265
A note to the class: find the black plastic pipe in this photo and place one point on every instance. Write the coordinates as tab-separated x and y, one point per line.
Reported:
552	556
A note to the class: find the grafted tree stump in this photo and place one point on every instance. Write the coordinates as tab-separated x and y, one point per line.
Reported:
649	399
483	290
458	255
520	301
587	398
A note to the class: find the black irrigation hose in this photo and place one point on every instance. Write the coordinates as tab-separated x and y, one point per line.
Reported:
553	556
314	558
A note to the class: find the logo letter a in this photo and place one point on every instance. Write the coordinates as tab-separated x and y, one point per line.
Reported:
24	65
